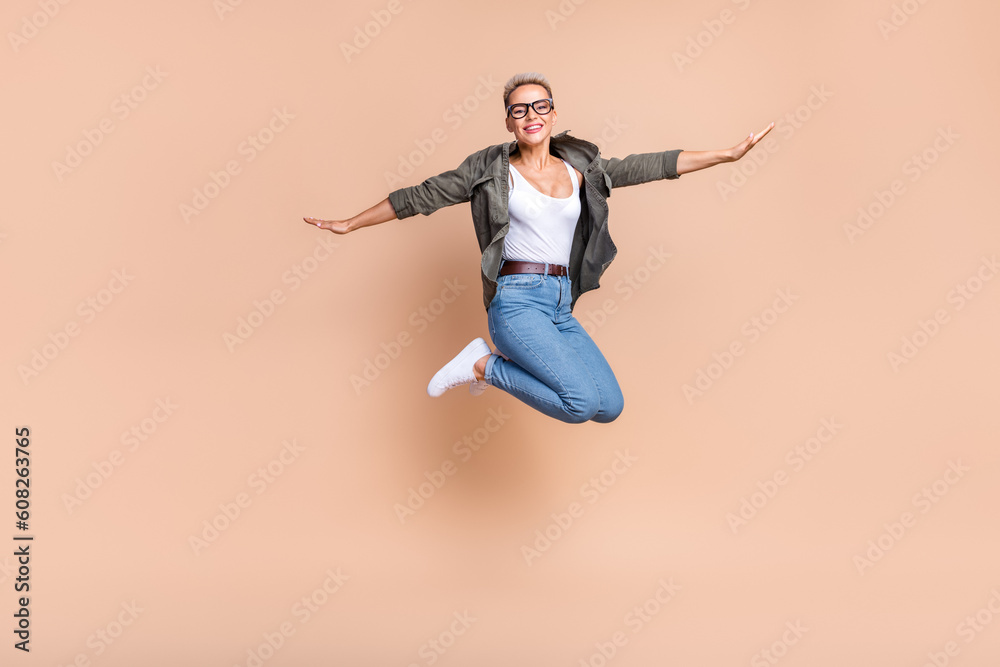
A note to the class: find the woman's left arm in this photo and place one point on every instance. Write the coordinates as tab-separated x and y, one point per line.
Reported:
689	161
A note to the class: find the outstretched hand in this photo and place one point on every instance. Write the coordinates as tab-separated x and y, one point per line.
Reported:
738	151
335	226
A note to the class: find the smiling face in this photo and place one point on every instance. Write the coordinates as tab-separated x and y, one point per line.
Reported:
533	128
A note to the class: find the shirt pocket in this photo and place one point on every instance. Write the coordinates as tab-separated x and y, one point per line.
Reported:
479	182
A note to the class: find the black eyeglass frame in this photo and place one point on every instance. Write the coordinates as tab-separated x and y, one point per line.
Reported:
532	105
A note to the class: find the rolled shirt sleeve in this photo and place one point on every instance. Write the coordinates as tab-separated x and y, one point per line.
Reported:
641	167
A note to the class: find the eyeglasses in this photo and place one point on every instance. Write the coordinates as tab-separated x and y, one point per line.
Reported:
541	107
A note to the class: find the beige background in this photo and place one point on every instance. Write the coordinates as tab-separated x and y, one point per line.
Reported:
355	119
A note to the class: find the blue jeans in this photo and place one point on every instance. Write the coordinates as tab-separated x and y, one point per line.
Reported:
555	366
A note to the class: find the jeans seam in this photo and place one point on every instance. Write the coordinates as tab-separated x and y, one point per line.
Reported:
503	317
541	399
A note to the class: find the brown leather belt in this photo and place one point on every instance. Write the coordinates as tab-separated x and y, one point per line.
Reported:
532	267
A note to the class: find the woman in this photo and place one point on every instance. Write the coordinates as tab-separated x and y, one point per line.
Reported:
540	213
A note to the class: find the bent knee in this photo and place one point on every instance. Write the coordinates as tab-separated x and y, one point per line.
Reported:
610	409
593	407
581	409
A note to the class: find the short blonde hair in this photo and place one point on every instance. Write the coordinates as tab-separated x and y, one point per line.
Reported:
522	79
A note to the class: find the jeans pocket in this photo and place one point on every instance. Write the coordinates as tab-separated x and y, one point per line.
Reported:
520	281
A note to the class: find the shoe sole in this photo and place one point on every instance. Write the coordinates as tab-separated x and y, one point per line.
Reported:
463	357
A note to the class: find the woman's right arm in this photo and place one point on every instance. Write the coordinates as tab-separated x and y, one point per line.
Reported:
445	189
379	213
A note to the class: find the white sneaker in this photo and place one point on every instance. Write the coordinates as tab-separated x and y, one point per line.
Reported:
458	371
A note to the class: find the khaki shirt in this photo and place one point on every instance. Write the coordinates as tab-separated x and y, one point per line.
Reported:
482	180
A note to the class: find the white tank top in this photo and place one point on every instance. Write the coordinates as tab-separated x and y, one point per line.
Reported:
541	227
